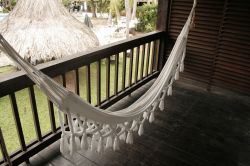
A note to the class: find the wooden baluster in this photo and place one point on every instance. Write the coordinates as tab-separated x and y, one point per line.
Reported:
88	83
64	85
77	83
142	61
124	64
52	116
4	149
116	73
17	121
34	113
131	67
98	83
107	78
148	58
137	63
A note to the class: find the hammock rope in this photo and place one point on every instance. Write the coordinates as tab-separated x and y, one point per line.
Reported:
96	129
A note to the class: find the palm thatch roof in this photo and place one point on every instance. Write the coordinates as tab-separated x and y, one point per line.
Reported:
42	30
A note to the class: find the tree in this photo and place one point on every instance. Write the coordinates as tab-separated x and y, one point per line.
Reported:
114	6
103	5
42	30
66	2
93	8
128	16
147	15
134	10
9	4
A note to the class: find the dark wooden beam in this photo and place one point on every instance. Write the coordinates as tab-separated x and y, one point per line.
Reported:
163	14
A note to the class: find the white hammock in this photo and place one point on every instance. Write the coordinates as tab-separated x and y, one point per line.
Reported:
97	129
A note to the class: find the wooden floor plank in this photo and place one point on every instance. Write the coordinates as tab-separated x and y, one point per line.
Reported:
197	128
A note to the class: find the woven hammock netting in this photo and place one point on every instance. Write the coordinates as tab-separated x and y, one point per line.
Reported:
91	128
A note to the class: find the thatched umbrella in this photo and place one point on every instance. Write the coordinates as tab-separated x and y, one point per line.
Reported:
42	30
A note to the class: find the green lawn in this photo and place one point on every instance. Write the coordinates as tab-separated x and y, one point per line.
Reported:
7	69
7	122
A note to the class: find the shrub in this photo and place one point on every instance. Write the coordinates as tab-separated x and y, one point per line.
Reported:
123	12
13	3
66	3
147	15
5	10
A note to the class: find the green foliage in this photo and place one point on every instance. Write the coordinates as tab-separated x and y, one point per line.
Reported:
147	15
13	3
66	3
119	4
123	12
5	10
103	6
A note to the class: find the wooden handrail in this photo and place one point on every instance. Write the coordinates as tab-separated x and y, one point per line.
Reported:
8	83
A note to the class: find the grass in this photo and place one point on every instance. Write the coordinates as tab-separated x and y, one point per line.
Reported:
7	121
7	69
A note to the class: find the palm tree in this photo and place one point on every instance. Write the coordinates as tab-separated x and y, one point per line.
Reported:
134	10
114	6
128	16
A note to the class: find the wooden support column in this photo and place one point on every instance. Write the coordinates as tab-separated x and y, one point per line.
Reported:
162	24
163	15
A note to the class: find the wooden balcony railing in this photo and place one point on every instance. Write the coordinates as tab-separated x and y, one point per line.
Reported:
101	76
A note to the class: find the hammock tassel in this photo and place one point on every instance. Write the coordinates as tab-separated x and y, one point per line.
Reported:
100	145
161	105
129	139
84	143
134	126
116	144
151	117
72	147
176	76
64	144
182	67
78	143
93	142
155	105
141	129
170	90
109	142
76	125
145	115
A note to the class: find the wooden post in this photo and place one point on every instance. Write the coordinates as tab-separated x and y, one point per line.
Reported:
4	149
163	14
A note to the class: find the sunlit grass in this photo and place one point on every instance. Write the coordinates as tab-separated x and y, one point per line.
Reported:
7	69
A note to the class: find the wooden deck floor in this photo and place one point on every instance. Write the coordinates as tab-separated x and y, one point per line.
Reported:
196	129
